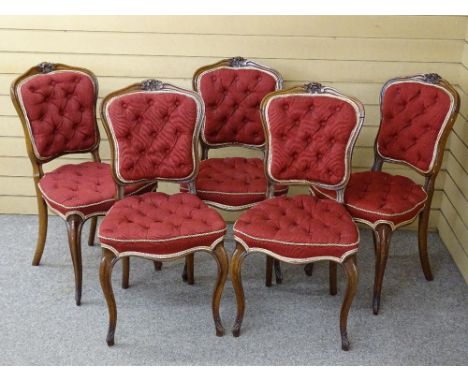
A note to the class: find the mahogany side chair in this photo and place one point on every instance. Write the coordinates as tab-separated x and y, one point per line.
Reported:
232	90
417	115
56	104
154	129
310	135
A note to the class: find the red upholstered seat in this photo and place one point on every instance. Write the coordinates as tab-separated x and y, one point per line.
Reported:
160	224
377	197
299	228
85	189
233	182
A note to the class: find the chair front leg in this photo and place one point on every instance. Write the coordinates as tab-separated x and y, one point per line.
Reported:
105	277
349	266
42	234
235	269
92	231
382	236
422	242
74	225
222	261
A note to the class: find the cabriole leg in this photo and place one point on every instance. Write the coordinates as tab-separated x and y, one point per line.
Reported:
105	277
235	269
382	236
268	271
422	242
74	225
125	272
92	231
350	269
222	261
42	234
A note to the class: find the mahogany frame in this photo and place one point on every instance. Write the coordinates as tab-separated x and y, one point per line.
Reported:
382	231
110	257
348	261
74	221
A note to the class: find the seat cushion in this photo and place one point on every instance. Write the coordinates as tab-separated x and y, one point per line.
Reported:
377	197
85	189
159	224
299	229
232	183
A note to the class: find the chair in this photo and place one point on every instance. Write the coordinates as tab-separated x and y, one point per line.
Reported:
153	130
232	90
56	104
417	114
310	134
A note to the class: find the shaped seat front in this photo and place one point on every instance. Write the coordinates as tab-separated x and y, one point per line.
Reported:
161	224
86	189
375	197
299	228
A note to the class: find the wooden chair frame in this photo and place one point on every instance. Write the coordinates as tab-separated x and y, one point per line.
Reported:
74	222
348	262
382	232
109	258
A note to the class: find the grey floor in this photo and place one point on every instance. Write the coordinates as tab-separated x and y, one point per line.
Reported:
163	321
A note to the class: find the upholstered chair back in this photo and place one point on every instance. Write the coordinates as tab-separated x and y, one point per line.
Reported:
57	104
232	91
415	113
153	128
311	132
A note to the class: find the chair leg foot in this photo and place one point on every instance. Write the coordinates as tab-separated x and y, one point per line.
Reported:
376	305
235	269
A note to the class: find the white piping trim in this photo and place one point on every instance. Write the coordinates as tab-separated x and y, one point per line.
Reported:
392	225
23	109
294	260
379	213
199	120
439	135
79	213
161	257
348	145
162	240
295	243
277	87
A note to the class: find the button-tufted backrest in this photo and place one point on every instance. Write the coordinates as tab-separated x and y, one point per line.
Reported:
59	110
311	132
232	91
153	128
415	112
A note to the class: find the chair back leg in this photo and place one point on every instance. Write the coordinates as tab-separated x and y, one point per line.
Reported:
422	242
92	231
